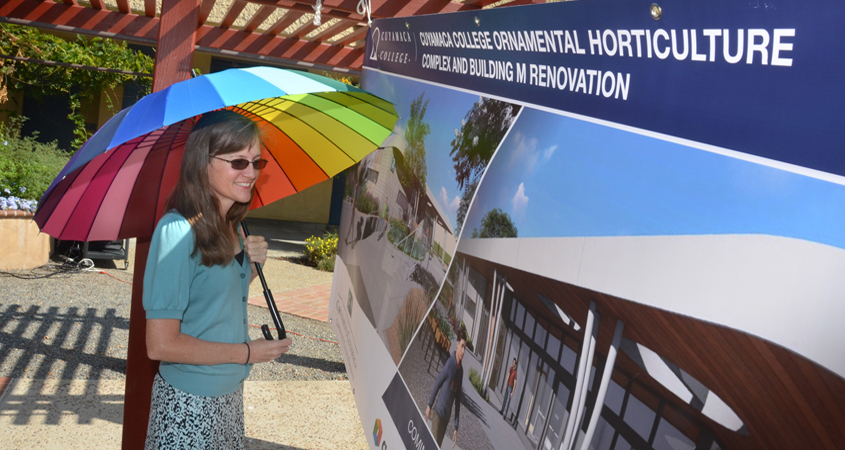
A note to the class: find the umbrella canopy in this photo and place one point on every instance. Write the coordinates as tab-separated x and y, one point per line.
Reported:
116	184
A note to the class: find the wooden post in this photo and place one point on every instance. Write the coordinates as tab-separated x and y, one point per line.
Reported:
174	57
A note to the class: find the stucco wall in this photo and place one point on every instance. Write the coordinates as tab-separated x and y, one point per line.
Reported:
311	205
21	245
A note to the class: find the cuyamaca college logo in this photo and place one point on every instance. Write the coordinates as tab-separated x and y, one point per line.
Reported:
377	430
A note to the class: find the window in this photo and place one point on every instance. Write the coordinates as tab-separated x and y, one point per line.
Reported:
568	358
540	334
553	347
529	326
639	416
615	396
371	176
669	438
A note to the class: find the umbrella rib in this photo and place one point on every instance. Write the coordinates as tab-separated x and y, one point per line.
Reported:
349	94
311	127
321	134
109	156
341	105
278	163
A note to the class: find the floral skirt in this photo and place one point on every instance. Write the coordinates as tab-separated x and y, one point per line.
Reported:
179	420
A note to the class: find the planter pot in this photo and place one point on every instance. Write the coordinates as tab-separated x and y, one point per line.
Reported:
22	245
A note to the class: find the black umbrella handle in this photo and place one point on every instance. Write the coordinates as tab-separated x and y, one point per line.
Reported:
271	304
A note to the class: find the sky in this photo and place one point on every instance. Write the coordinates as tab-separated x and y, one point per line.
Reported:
446	109
563	177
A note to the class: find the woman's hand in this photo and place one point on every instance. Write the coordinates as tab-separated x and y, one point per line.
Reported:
256	249
262	350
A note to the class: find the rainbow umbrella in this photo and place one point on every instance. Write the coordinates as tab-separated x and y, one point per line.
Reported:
116	184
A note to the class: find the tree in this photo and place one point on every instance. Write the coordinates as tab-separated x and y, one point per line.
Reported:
482	129
415	133
496	224
463	207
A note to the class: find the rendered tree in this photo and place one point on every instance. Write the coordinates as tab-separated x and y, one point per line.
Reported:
463	207
482	129
415	133
496	224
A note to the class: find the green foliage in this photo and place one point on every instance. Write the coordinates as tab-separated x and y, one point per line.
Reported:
27	163
475	380
326	264
81	86
416	131
469	339
345	79
482	129
443	324
463	206
366	203
496	224
321	251
398	230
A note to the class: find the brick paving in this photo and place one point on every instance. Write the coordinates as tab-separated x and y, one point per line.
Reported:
311	302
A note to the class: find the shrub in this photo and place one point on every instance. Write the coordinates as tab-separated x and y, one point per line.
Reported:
469	341
475	380
321	251
326	265
27	167
366	203
398	230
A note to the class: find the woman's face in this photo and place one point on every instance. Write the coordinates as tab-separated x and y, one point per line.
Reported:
231	185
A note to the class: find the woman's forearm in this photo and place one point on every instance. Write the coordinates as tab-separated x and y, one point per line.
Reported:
165	342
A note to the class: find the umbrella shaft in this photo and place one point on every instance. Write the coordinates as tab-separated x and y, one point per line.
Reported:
268	296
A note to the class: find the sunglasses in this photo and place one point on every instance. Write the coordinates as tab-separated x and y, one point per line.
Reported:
241	163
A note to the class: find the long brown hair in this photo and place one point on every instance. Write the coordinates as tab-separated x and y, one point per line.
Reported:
216	133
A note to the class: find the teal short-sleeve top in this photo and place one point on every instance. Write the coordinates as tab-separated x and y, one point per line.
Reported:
210	302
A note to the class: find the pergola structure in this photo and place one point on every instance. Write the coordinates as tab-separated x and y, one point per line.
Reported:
277	32
273	31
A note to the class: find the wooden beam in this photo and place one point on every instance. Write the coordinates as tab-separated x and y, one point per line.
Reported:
259	17
234	11
306	6
284	22
326	15
98	4
333	30
380	7
356	35
123	6
521	2
144	30
150	8
174	57
205	10
303	29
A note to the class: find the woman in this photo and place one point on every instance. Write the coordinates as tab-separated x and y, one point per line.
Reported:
195	290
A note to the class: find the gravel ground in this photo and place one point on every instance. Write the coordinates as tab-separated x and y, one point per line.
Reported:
59	322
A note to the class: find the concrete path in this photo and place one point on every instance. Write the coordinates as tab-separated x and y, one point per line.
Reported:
84	414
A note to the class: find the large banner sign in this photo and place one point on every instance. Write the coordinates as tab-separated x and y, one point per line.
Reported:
601	225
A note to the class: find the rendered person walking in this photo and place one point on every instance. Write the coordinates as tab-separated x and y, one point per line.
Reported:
195	289
451	377
509	390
